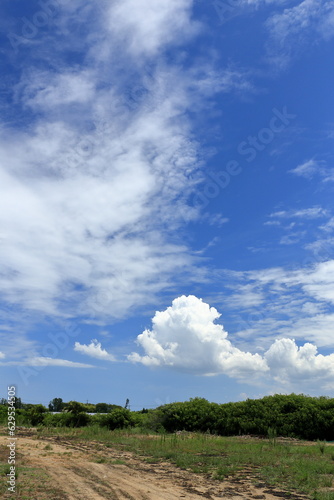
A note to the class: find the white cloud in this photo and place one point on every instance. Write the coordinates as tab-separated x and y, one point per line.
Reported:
288	362
2	355
322	248
305	213
292	238
312	167
272	222
316	281
246	297
312	324
93	188
95	350
185	337
45	90
329	226
297	303
297	26
43	362
148	26
306	169
96	183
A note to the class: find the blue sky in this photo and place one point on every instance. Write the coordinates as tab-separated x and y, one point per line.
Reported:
167	219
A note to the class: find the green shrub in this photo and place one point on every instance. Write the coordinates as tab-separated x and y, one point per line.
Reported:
36	415
117	419
67	419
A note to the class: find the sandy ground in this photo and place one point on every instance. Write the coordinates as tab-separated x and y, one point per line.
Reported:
75	474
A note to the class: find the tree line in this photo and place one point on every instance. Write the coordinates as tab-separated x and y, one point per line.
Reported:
294	415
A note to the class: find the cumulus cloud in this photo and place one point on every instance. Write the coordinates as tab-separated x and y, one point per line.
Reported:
2	355
95	350
185	337
288	362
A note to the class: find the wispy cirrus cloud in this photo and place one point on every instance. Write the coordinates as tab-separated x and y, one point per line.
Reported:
328	227
296	303
311	168
148	27
304	213
294	222
297	27
88	187
97	181
43	362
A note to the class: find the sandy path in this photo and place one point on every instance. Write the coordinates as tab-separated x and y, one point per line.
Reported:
73	470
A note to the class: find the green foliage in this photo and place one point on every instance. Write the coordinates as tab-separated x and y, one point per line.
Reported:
272	434
67	419
289	415
322	446
101	408
194	415
294	415
117	419
36	414
3	414
105	407
75	407
56	404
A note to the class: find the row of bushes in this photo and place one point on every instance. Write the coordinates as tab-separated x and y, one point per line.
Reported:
291	415
287	415
38	415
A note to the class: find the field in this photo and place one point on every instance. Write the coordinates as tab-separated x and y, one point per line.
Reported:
95	463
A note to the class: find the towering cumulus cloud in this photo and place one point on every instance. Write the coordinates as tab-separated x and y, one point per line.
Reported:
185	337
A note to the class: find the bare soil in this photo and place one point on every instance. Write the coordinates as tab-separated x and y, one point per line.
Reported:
59	469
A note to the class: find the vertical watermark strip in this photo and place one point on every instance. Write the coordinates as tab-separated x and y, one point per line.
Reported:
11	424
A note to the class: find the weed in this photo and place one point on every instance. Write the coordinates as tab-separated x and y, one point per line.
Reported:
322	446
118	461
272	435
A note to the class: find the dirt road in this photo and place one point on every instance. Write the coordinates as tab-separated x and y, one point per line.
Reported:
64	470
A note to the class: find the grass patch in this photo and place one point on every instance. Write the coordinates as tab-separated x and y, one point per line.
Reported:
291	466
31	482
